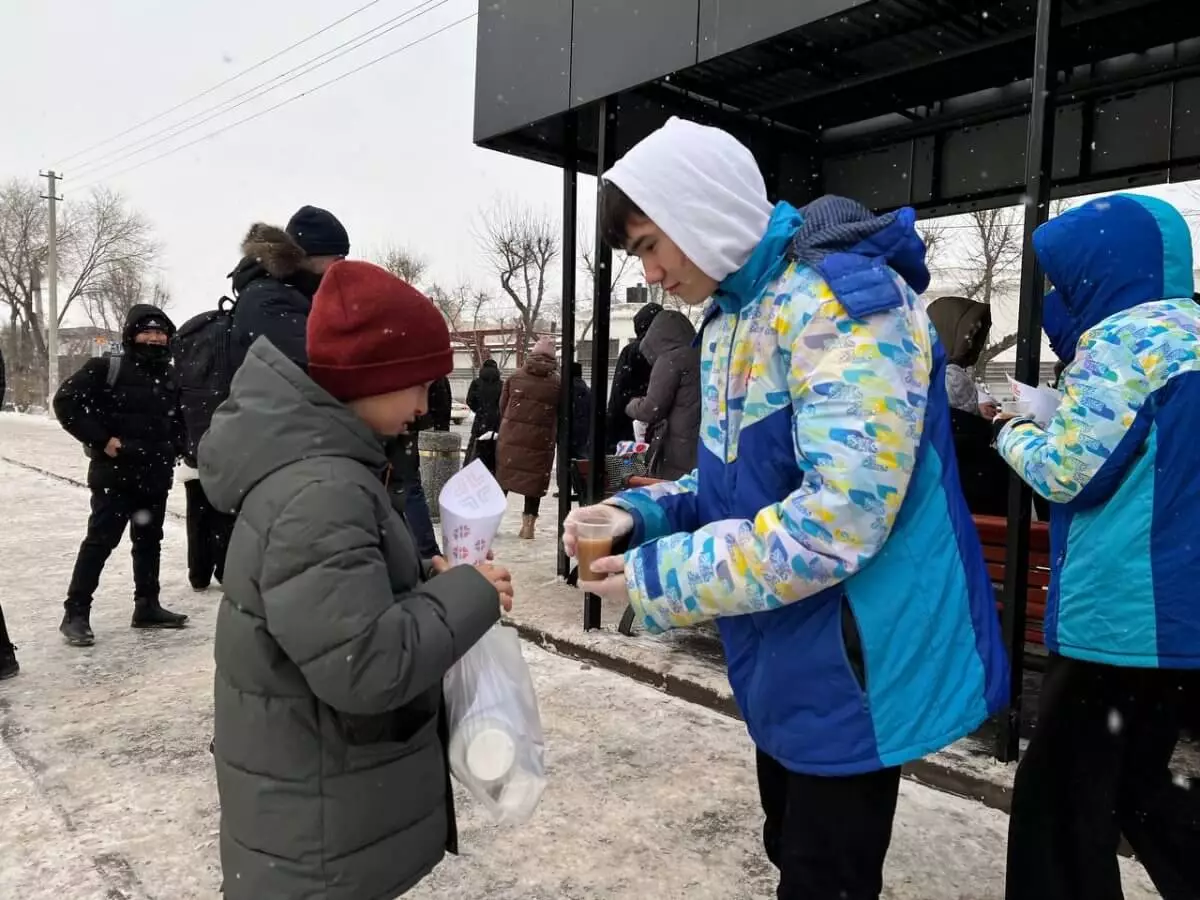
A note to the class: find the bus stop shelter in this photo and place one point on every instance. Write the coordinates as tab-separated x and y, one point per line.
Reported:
947	106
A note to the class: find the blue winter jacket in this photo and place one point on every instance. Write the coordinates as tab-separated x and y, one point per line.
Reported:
824	525
1120	460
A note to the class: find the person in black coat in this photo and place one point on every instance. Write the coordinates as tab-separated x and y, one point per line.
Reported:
405	456
125	412
441	405
581	414
483	399
630	380
280	271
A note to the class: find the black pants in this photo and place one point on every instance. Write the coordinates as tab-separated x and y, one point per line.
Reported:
208	533
111	512
828	837
532	507
1097	768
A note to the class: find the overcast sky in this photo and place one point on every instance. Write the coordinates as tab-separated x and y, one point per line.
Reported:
388	150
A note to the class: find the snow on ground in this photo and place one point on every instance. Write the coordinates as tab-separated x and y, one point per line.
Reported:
108	792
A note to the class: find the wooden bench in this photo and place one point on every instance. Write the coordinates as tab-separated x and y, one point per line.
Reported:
993	534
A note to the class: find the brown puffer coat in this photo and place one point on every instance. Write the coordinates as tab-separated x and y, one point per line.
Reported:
528	427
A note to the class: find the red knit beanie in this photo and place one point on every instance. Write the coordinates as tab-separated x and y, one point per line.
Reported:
370	333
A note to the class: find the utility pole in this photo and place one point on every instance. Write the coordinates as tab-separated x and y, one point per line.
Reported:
52	277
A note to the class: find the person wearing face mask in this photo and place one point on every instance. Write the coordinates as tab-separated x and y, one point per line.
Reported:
127	418
280	271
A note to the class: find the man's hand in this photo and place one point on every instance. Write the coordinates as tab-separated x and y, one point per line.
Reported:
113	447
621	522
501	580
989	410
613	587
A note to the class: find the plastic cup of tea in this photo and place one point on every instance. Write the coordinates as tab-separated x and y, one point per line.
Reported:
593	541
1015	407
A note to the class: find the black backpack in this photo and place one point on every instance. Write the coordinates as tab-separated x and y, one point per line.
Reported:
203	368
110	381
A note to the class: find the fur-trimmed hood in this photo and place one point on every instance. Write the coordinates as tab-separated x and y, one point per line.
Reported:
273	249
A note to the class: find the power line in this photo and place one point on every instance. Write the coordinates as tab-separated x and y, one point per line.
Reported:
289	100
231	78
208	114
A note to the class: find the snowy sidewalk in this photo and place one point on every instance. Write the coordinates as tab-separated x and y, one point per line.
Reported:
108	791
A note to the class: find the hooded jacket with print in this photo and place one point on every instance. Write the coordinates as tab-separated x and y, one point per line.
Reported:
1118	460
824	526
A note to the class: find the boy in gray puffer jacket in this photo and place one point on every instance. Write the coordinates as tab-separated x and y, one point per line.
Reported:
332	637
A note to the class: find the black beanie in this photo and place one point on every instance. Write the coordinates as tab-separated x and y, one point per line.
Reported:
318	232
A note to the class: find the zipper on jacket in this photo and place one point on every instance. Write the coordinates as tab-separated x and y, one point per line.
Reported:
737	318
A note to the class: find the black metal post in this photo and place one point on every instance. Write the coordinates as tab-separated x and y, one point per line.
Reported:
601	309
1039	162
566	394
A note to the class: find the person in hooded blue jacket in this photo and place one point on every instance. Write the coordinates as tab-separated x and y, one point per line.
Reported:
824	527
1120	465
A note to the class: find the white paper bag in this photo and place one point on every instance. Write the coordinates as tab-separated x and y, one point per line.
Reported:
497	751
472	505
639	431
1039	403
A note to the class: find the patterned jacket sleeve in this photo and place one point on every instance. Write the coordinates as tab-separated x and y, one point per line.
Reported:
661	509
1086	448
858	389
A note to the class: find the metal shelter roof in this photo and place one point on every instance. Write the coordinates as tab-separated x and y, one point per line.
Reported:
919	102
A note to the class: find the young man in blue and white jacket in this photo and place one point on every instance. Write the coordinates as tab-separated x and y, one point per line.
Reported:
1121	466
824	527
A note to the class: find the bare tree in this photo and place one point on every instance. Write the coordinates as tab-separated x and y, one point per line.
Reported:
103	235
96	236
122	287
24	242
584	303
993	254
994	245
404	263
522	246
933	232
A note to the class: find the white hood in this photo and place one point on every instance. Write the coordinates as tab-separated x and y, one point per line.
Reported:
703	188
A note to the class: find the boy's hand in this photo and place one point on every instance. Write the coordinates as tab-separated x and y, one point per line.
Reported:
622	524
501	580
613	587
113	447
440	565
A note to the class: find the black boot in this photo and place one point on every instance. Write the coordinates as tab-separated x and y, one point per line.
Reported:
149	614
8	662
76	627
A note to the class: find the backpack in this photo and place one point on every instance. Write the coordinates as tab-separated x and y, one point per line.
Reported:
110	381
203	368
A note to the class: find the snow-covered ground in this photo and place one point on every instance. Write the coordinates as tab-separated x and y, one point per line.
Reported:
107	791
